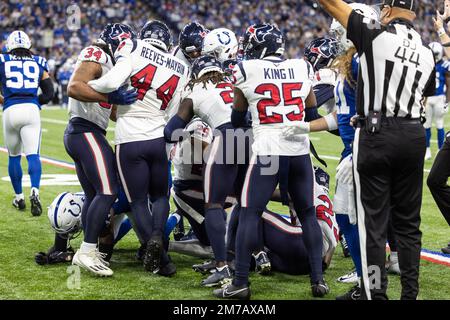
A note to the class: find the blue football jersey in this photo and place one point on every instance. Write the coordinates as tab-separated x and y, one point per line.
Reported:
442	67
20	78
346	107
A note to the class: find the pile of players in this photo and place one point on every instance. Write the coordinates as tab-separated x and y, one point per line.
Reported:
236	116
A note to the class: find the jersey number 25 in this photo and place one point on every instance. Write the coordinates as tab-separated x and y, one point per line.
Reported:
275	100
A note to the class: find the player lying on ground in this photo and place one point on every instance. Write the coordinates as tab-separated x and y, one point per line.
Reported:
21	75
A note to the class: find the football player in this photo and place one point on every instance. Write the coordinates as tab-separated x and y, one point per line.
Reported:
277	92
210	96
320	53
190	42
85	141
437	105
140	147
21	75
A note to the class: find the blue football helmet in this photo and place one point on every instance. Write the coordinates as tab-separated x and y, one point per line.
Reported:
158	34
321	52
322	178
205	64
262	40
114	33
191	40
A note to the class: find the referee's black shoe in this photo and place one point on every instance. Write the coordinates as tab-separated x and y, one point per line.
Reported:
231	291
319	289
353	294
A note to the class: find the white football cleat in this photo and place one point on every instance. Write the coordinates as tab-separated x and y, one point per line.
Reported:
428	154
90	261
351	277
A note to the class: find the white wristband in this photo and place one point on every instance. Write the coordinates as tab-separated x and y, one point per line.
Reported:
331	122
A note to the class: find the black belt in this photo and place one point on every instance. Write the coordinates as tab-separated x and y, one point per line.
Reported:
385	120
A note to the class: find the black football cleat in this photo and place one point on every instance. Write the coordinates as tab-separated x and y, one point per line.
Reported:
446	250
230	291
344	245
152	257
168	270
262	262
220	277
319	289
36	207
19	204
206	267
352	295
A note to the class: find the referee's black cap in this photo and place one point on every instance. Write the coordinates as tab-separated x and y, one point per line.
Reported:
404	4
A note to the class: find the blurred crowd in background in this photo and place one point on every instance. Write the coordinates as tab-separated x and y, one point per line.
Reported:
57	36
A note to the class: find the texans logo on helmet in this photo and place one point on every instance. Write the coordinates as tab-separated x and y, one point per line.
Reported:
259	33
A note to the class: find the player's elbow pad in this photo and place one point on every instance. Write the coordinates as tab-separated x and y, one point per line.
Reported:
47	91
175	123
311	114
238	118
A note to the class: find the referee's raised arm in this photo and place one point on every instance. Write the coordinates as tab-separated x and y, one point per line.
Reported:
396	72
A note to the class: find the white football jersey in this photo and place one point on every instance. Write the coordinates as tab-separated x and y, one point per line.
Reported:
213	102
186	165
276	91
326	217
97	113
159	78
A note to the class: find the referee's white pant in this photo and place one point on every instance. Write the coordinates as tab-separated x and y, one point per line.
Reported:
22	129
388	172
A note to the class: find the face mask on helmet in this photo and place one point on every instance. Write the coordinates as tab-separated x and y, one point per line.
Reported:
158	34
191	40
321	52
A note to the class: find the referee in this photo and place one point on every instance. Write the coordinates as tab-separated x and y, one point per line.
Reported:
396	72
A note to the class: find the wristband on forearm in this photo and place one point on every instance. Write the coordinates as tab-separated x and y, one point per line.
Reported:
331	122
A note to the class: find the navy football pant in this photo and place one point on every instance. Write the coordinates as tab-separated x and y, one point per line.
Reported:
259	185
96	170
223	176
143	171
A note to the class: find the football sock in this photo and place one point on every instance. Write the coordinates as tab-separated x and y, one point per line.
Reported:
20	196
231	232
61	243
160	212
246	243
312	236
15	173
441	137
86	247
96	216
428	136
171	224
351	235
143	218
216	228
34	170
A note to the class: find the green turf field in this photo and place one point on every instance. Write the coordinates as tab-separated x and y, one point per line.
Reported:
22	235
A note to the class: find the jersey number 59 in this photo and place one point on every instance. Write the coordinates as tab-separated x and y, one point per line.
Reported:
22	74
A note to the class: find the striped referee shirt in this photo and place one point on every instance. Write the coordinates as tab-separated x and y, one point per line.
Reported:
396	69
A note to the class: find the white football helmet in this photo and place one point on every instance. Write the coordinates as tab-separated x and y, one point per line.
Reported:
64	213
18	39
338	31
221	43
438	51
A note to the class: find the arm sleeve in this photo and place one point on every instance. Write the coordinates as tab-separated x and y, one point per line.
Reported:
114	79
47	91
361	30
